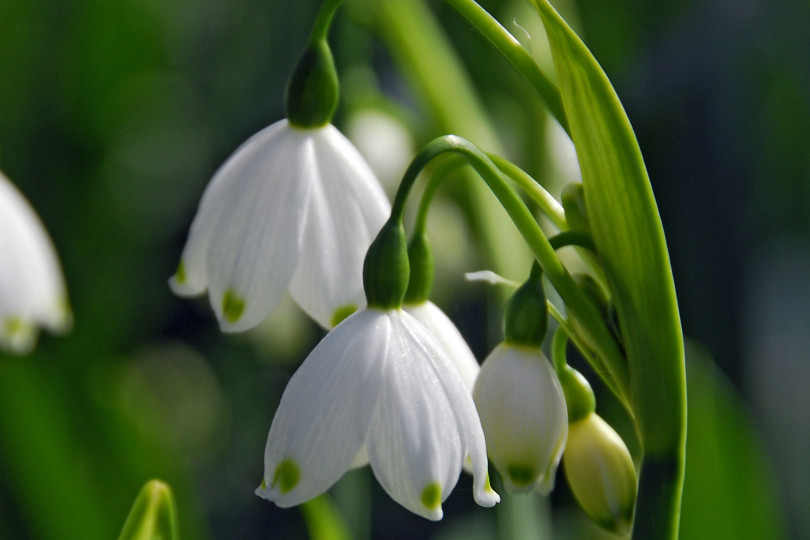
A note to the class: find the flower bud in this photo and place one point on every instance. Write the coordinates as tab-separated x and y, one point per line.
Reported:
153	514
522	409
601	474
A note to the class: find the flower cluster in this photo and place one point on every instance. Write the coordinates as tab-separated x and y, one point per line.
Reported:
392	384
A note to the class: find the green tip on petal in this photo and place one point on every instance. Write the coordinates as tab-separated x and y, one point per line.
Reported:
521	475
232	306
432	496
180	275
286	476
341	313
264	484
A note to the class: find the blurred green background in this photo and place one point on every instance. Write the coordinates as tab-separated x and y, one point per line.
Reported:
114	114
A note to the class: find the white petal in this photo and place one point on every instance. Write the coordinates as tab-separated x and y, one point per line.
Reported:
347	208
523	412
451	339
32	291
469	425
246	237
414	444
325	411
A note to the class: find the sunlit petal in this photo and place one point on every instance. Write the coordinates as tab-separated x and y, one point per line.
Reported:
414	444
347	208
324	414
451	339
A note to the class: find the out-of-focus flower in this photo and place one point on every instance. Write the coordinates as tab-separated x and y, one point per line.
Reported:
32	290
379	386
383	141
523	413
291	208
601	474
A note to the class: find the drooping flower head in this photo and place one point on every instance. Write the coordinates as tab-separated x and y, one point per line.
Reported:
294	208
32	290
519	397
291	209
378	383
380	386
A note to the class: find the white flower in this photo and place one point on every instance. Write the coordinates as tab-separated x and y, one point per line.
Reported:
290	208
32	290
378	385
450	338
523	413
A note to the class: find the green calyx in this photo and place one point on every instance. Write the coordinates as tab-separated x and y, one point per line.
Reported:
312	91
525	317
420	257
386	269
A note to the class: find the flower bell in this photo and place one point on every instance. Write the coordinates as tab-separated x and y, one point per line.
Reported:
32	290
295	207
519	398
379	387
601	474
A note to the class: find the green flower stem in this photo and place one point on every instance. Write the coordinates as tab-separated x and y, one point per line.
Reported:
614	368
545	200
514	52
548	205
572	238
320	28
579	398
420	47
433	184
599	366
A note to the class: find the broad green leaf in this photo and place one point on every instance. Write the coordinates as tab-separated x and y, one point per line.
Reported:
729	491
153	516
629	238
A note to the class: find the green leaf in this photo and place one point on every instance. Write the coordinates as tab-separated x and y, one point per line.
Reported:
629	238
729	491
153	516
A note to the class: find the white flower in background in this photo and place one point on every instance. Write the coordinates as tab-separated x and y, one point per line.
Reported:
379	386
524	416
450	338
291	208
32	290
383	141
601	474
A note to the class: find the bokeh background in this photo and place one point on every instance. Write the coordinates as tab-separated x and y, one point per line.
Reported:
114	114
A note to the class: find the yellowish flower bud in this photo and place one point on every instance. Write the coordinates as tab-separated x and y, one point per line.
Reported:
601	474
